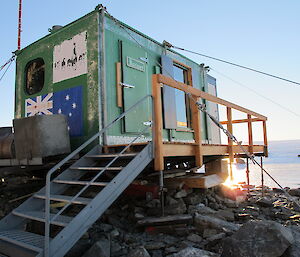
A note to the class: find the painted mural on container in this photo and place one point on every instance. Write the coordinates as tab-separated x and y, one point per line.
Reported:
70	58
67	102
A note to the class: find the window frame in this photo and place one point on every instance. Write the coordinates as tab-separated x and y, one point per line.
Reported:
25	84
188	81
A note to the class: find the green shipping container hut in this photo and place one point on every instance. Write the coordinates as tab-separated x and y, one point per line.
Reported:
94	69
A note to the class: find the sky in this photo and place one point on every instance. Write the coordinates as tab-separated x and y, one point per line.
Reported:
263	35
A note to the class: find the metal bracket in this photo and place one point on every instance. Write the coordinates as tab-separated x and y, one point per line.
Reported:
144	59
148	123
126	85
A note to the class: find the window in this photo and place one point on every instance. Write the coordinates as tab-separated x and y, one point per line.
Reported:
182	102
35	76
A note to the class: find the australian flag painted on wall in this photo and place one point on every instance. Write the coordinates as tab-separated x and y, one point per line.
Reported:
67	102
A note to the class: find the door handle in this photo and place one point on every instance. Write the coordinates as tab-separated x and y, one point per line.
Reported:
126	85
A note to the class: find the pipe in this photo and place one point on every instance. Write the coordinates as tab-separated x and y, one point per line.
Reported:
247	174
103	74
161	189
262	176
7	150
20	24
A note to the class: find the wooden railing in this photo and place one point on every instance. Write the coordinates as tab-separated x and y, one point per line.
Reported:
158	80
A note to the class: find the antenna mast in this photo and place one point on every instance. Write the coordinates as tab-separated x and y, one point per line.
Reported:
20	24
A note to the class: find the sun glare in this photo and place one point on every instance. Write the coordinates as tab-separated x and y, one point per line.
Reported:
238	176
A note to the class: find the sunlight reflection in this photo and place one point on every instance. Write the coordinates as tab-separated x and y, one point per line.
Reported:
238	174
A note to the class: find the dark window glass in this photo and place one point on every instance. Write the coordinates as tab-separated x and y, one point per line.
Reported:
180	75
35	76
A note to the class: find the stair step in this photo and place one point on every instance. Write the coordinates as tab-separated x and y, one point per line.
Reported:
65	198
61	220
80	182
96	168
124	155
23	239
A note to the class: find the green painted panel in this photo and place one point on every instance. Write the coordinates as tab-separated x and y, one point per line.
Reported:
135	79
45	49
136	72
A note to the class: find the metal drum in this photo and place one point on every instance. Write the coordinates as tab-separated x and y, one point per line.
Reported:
7	150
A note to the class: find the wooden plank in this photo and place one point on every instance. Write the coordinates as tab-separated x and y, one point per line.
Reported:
158	125
201	181
198	93
256	149
250	135
214	150
178	150
196	124
118	85
172	150
241	121
174	219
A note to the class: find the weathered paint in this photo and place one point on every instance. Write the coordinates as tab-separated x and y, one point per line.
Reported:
70	58
53	47
84	32
115	34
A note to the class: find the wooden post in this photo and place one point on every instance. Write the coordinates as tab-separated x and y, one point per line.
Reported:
230	143
262	176
250	135
265	138
158	125
196	123
118	85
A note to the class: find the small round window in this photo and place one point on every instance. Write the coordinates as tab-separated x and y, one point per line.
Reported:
35	76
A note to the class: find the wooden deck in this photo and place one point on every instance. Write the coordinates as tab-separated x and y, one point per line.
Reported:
170	149
198	149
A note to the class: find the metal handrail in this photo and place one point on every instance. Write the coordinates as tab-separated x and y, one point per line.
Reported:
69	157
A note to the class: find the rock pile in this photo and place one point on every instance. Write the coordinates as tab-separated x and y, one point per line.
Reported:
196	223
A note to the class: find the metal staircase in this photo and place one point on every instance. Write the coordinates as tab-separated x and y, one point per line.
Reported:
70	203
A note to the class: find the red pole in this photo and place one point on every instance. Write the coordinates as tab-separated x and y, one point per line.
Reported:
20	24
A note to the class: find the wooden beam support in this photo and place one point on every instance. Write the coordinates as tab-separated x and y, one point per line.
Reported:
241	121
158	125
173	150
196	123
250	135
198	93
230	142
265	138
118	85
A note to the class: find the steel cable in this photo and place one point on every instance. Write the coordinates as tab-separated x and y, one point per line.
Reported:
9	62
202	108
237	65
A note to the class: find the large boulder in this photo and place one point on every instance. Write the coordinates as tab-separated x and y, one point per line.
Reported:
178	207
203	222
258	239
101	248
294	249
194	252
294	192
139	252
